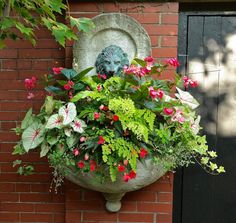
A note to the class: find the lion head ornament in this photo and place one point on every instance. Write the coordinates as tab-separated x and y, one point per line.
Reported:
111	61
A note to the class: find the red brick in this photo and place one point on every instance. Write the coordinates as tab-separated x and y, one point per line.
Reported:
8	95
8	116
47	44
141	196
74	195
8	53
8	136
21	187
79	15
135	217
99	216
40	187
145	18
31	197
16	207
128	206
170	7
9	217
164	197
167	30
8	75
169	19
24	64
9	197
35	53
7	187
85	205
8	125
84	7
47	208
169	41
9	64
164	218
154	207
157	186
18	44
73	217
59	218
164	52
28	217
92	195
154	41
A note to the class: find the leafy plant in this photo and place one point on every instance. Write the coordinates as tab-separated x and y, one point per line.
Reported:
105	126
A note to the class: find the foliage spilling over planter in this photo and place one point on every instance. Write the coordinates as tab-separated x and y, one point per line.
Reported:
105	125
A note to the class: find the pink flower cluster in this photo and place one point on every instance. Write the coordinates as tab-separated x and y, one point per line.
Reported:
30	84
173	62
177	116
188	81
57	70
69	85
155	93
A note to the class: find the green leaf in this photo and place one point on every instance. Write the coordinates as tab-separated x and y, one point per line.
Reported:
28	119
49	105
82	24
221	169
212	154
138	61
18	149
61	82
44	149
33	136
78	86
204	160
80	75
7	23
17	162
69	73
213	166
55	90
81	95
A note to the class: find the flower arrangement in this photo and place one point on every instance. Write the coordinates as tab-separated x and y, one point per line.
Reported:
104	126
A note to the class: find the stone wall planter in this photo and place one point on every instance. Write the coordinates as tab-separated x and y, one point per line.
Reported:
113	192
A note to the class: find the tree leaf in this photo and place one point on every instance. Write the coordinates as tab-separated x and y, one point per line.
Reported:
82	24
17	162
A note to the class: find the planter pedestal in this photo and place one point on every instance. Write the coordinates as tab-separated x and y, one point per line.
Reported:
147	173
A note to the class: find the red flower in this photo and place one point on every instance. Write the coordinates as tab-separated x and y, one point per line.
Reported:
81	164
96	115
57	70
168	111
102	76
188	81
173	62
149	59
143	152
93	165
115	118
103	107
76	152
132	174
121	168
68	85
193	83
101	140
30	83
126	177
152	92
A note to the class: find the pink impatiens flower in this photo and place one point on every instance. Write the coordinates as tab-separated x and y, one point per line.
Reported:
173	62
152	93
126	177
69	85
188	81
30	95
99	87
178	117
57	70
96	115
76	152
160	93
102	76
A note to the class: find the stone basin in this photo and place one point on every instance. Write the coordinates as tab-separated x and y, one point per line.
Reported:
147	173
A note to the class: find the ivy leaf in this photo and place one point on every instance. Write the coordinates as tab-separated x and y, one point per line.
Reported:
17	162
213	166
212	154
221	169
204	160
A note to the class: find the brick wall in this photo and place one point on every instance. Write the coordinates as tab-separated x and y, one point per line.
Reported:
27	199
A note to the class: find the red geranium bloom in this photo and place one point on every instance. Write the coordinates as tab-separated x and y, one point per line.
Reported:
96	115
132	174
57	70
115	118
143	152
93	165
160	93
168	111
101	140
102	76
103	107
30	83
68	85
121	168
81	164
149	59
126	177
76	152
173	62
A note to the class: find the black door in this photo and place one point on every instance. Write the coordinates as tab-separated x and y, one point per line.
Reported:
207	52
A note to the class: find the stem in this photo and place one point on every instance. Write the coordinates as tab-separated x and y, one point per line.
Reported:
7	9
